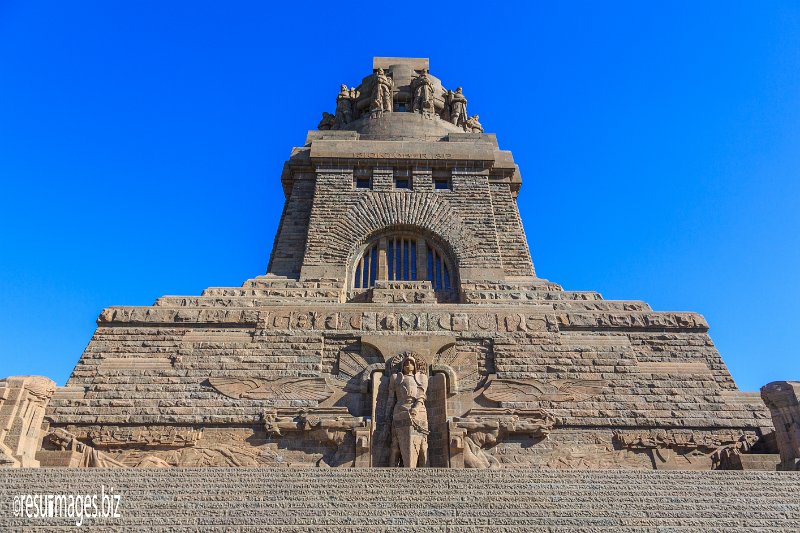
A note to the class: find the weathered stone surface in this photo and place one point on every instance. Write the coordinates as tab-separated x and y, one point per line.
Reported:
23	400
783	400
401	235
427	500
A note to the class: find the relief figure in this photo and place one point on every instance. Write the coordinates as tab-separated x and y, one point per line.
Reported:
405	411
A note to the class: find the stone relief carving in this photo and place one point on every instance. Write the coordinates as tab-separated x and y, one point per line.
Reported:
439	320
405	418
632	320
684	449
559	390
277	389
23	400
482	429
231	454
76	453
463	363
133	437
331	427
420	292
599	456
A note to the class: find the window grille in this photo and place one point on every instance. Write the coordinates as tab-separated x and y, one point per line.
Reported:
367	268
403	258
438	271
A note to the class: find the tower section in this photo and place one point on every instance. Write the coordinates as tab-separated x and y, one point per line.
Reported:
401	184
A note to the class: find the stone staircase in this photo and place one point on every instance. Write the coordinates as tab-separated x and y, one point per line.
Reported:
259	499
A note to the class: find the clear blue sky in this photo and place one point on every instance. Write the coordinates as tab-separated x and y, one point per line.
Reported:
141	145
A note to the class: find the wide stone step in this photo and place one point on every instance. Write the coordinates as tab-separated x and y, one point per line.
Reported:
425	499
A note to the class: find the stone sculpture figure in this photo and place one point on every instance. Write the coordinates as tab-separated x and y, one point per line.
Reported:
458	107
327	121
422	89
344	106
405	408
473	125
783	400
382	93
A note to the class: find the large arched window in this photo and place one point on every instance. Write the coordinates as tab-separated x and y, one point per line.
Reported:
403	257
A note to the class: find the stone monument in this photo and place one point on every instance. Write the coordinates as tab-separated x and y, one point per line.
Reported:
400	323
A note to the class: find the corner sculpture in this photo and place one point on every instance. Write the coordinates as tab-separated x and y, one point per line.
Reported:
458	107
783	400
400	322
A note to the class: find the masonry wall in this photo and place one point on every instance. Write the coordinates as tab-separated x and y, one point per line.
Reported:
290	240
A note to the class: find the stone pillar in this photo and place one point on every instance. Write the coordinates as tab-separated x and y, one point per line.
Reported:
23	400
436	405
783	400
422	260
383	268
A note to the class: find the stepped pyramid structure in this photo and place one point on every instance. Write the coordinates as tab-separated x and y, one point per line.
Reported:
401	324
401	240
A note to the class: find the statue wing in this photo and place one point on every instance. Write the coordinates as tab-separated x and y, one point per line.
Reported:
302	389
278	389
560	390
511	390
576	389
234	387
351	364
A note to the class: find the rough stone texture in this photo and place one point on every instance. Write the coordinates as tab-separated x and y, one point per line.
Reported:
422	500
292	368
22	406
783	400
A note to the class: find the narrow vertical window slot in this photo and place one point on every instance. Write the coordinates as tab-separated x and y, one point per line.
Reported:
373	262
430	265
365	270
390	258
414	260
437	261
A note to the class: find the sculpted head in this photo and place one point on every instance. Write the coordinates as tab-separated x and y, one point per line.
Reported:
458	90
409	365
